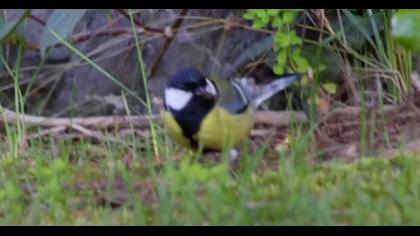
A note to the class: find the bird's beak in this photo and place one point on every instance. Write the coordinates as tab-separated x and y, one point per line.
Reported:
202	92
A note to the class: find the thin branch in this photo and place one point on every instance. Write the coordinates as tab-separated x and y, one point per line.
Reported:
139	24
100	122
275	118
86	36
54	130
38	20
168	41
88	132
279	118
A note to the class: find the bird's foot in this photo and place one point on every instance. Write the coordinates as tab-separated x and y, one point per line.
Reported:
234	157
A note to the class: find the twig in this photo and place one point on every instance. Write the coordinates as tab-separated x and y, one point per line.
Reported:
262	132
168	41
140	133
276	118
279	118
87	132
100	122
86	36
38	20
139	24
53	130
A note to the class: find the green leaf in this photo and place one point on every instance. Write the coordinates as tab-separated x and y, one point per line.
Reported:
260	23
277	22
286	39
265	20
330	87
262	19
297	51
282	58
273	12
8	29
320	68
278	69
406	29
294	39
260	13
249	15
301	63
282	40
61	21
289	17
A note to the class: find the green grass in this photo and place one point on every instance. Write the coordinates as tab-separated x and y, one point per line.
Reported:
61	182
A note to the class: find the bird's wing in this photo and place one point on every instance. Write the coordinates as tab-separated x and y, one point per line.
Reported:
237	94
259	93
232	97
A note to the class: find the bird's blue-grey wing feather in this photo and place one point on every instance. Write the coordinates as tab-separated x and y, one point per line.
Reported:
232	97
236	95
260	93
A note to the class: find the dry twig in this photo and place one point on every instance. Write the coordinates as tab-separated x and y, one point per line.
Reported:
99	122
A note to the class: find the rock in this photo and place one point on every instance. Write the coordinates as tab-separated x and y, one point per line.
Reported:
64	87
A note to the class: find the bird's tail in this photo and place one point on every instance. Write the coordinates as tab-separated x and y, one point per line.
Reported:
264	92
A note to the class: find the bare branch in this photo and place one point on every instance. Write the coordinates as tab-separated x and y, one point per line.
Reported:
275	118
100	122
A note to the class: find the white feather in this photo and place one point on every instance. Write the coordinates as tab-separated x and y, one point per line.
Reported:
210	87
240	91
267	91
260	93
177	99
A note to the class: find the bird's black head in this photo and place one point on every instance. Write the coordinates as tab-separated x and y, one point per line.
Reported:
190	96
189	85
188	79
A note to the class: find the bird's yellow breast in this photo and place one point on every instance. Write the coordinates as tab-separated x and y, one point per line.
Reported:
221	129
218	130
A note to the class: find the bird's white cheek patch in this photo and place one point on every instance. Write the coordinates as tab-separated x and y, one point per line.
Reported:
177	99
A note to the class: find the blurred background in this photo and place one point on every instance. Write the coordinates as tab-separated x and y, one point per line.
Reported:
344	50
61	84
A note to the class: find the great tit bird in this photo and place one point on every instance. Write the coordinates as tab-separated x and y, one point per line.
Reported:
211	113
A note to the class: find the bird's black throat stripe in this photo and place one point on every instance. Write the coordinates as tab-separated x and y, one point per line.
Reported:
191	116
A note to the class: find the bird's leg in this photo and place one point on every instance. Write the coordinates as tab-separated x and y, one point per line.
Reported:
199	152
233	159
